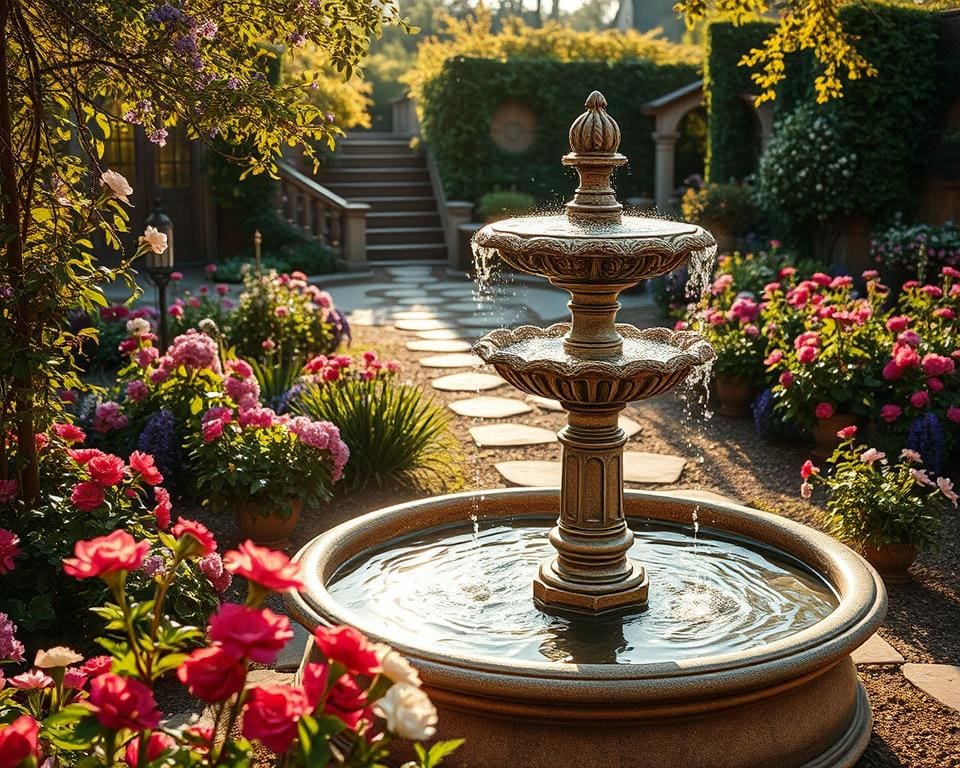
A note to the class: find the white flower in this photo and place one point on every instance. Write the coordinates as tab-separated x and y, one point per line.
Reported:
945	484
395	667
408	711
138	326
920	477
806	490
871	455
60	656
911	456
118	185
156	239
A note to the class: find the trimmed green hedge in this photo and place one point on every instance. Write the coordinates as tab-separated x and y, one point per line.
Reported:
458	105
890	121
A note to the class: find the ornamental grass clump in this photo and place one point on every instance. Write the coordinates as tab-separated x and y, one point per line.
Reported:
874	501
352	701
396	434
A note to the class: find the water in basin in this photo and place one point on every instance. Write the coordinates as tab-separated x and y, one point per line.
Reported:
454	591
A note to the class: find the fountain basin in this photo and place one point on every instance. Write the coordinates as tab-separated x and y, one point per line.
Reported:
792	702
604	253
652	361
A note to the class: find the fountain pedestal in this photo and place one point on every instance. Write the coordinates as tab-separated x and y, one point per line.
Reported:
592	255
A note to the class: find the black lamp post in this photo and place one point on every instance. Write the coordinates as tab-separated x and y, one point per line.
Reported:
160	266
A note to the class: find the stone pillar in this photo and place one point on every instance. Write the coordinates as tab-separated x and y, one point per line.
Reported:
458	214
666	144
355	236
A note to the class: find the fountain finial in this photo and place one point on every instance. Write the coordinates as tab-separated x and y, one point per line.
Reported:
594	140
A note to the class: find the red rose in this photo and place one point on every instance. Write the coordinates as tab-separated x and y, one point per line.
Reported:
83	455
847	432
271	714
349	647
146	467
118	551
823	411
122	702
86	496
348	701
205	543
314	681
156	745
270	569
18	741
257	634
161	512
97	666
808	468
211	674
106	469
69	433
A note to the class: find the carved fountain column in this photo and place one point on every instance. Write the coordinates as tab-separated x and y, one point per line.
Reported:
593	365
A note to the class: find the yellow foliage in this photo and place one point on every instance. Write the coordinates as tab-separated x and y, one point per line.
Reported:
803	25
474	36
347	100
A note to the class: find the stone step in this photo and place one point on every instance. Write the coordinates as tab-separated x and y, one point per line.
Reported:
379	160
397	203
402	174
354	189
375	147
407	251
398	235
380	219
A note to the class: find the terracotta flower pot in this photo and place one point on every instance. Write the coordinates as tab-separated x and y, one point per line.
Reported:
269	530
735	394
825	433
892	561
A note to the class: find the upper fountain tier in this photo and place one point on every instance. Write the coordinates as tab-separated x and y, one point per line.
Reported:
593	243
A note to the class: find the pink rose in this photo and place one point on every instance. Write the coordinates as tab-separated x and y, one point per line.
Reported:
211	674
271	714
892	371
123	702
847	432
953	414
118	551
898	323
786	379
823	411
257	634
808	469
349	647
920	399
806	355
87	496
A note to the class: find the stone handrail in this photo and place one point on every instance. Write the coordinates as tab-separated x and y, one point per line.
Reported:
323	215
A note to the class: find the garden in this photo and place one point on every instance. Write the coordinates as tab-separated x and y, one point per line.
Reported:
185	484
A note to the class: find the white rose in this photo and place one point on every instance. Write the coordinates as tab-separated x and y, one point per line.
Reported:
156	239
60	656
408	711
138	327
395	667
119	186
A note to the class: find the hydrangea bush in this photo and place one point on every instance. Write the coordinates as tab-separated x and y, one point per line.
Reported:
352	701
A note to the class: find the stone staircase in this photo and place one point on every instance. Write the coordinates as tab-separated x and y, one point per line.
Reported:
381	170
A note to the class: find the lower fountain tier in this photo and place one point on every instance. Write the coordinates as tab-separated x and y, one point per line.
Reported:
792	702
652	361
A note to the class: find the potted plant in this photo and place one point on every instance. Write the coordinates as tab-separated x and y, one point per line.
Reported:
730	325
887	510
726	210
266	467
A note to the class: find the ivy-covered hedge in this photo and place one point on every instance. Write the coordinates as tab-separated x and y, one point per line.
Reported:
458	105
891	121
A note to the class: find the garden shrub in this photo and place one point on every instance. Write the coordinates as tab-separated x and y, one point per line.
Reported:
916	251
459	100
281	315
502	205
396	434
729	205
86	493
311	258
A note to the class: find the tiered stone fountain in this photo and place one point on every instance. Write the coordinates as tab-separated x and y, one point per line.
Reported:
727	647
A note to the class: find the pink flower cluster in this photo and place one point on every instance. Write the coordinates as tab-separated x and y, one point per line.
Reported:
11	649
194	351
367	367
108	417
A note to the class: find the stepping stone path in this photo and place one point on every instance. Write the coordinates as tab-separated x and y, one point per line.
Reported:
421	314
439	345
370	317
629	426
467	382
456	360
941	681
420	300
545	402
877	651
490	407
405	293
638	467
505	435
441	334
428	324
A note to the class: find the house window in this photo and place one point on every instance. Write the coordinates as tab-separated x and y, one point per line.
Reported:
174	162
120	150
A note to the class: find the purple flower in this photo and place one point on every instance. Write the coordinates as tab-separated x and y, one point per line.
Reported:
185	45
159	438
158	136
233	83
296	38
207	30
165	14
926	438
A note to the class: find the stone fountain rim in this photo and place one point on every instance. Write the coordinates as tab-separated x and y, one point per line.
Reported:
808	652
514	226
692	347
